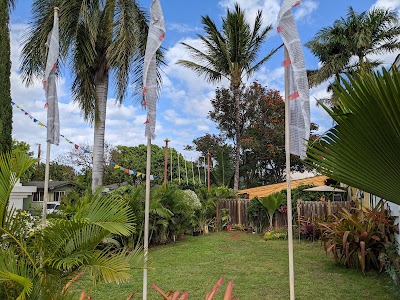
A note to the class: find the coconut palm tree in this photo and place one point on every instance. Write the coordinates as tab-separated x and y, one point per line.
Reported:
5	67
99	38
230	53
362	149
359	35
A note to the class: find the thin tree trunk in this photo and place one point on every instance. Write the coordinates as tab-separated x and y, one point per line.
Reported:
99	132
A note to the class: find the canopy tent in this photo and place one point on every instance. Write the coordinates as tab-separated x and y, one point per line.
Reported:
324	188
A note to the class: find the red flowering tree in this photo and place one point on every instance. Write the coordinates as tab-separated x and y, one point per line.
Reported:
263	138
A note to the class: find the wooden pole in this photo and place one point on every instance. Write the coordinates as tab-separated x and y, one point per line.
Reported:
171	169
208	160
288	180
146	218
166	162
46	185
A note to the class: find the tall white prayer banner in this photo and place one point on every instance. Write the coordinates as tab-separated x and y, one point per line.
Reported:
298	83
154	40
49	84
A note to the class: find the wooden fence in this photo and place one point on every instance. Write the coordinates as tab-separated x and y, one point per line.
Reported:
309	210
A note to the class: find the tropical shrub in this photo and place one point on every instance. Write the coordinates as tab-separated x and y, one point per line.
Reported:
38	262
276	235
256	215
359	238
271	203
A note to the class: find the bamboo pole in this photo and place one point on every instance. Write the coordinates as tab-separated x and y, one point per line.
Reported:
208	160
46	185
166	162
146	218
288	180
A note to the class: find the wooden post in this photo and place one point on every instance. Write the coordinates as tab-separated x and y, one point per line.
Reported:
166	162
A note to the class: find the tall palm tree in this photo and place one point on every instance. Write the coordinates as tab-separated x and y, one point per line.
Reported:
230	53
100	38
358	35
5	67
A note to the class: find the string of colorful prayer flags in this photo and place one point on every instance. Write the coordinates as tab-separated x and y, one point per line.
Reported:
76	146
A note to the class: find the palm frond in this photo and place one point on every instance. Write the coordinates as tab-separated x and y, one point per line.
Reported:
114	266
362	149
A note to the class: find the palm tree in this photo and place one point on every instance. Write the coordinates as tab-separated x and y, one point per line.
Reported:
41	263
5	93
358	35
230	53
362	149
100	38
271	203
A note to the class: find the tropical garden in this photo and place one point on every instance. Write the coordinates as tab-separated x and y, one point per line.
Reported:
93	246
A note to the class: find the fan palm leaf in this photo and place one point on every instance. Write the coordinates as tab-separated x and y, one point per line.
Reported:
362	149
271	203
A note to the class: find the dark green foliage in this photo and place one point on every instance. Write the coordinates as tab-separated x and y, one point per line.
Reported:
361	150
172	211
360	35
5	72
359	239
257	215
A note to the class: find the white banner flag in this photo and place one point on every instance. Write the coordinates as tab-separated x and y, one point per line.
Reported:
298	82
49	84
154	39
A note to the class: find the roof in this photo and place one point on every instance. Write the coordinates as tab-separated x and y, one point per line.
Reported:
114	186
266	190
52	184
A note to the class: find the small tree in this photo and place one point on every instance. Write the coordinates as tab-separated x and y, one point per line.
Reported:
271	203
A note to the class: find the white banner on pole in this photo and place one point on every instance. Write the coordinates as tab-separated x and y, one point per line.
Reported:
298	83
154	40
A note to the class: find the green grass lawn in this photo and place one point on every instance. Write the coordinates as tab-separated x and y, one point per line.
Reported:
259	269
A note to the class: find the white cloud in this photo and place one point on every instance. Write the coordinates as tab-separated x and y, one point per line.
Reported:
391	4
304	11
270	9
183	28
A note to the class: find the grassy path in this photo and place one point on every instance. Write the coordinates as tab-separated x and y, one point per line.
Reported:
259	269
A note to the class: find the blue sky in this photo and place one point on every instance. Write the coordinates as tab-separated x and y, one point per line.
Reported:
185	99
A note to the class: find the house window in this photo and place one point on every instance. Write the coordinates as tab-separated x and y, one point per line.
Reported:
38	196
59	195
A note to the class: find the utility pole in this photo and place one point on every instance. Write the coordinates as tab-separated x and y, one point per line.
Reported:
166	162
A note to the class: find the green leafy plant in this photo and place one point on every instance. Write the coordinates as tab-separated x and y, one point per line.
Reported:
271	203
275	235
358	239
38	262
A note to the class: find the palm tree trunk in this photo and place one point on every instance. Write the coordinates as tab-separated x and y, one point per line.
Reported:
99	131
236	94
5	94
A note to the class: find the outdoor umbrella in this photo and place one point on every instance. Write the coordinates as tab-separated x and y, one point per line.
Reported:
324	188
